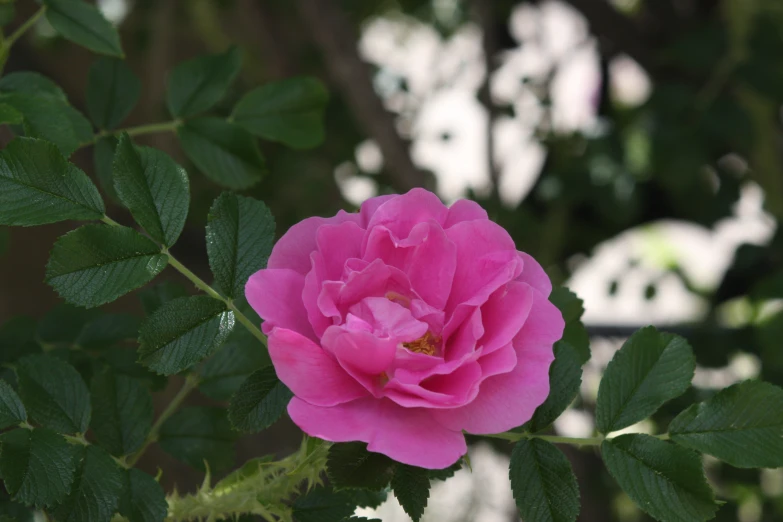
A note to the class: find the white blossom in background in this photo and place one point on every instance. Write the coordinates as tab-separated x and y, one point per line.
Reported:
642	256
431	84
480	495
115	11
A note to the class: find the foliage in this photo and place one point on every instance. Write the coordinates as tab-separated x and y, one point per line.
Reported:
76	387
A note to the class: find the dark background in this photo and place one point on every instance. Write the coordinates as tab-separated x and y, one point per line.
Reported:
710	125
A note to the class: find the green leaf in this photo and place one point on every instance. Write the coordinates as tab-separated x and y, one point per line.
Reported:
103	162
96	490
96	264
9	115
51	118
36	465
196	434
544	486
226	153
196	85
31	82
260	401
12	410
154	296
565	379
83	24
182	332
650	369
142	498
54	393
222	374
124	362
350	465
411	486
367	498
240	236
739	425
14	511
38	186
107	330
446	473
154	188
323	505
112	92
121	412
576	335
7	14
63	323
664	480
17	339
568	303
288	111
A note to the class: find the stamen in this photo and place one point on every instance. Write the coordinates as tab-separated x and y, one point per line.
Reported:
399	299
427	344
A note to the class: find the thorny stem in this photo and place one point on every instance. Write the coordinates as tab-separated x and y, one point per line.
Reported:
576	441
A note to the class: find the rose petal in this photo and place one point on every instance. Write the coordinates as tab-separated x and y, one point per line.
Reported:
407	435
390	319
464	210
402	213
312	289
376	280
465	339
276	295
501	360
427	256
534	275
361	351
486	259
337	244
504	314
310	372
370	206
293	250
438	391
508	400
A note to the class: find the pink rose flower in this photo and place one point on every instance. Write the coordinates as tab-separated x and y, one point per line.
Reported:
406	323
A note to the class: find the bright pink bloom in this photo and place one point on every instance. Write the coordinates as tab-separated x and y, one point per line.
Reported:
405	324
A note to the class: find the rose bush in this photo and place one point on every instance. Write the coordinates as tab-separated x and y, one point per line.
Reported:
405	324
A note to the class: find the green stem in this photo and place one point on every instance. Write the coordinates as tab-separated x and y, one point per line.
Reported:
77	439
204	287
200	284
150	128
23	29
554	439
191	383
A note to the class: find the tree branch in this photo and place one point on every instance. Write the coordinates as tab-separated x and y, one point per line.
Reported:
486	16
336	38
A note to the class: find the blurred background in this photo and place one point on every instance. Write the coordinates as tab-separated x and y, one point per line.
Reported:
634	147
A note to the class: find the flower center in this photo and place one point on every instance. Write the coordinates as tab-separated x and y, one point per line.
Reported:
426	344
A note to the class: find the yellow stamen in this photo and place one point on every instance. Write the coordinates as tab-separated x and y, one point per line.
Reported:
425	344
399	299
